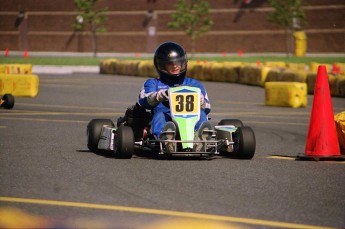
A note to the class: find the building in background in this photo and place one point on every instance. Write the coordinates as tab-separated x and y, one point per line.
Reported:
238	25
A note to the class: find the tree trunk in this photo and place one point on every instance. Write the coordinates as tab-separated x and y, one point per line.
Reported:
193	46
287	42
94	42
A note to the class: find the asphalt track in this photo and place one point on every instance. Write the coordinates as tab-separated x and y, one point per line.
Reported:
47	173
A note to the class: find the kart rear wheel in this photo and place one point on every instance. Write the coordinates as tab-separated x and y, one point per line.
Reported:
8	101
124	142
245	143
94	129
224	122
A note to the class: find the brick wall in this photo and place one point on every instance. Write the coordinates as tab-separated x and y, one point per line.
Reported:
49	27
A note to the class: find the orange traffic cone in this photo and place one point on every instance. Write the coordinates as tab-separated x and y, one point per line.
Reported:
240	53
7	52
26	54
322	140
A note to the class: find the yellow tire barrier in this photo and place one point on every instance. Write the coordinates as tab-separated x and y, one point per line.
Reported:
297	66
191	68
294	75
147	69
311	79
196	69
275	64
16	69
299	51
237	72
340	127
19	85
254	75
250	75
264	72
213	71
287	75
313	66
231	73
127	67
300	43
108	66
337	85
273	74
235	64
289	94
2	69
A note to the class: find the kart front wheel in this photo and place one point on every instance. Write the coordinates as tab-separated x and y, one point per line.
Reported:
245	143
7	101
94	129
124	142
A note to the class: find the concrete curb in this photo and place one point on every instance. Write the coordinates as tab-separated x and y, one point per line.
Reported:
52	69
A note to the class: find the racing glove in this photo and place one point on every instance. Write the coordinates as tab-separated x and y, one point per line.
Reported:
202	101
157	97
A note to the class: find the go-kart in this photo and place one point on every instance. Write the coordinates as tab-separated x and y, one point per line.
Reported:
132	132
7	101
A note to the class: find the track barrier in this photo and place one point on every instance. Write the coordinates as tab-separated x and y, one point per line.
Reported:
340	127
288	94
239	72
19	85
16	69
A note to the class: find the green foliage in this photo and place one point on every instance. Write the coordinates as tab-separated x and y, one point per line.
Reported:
286	12
89	19
94	18
193	18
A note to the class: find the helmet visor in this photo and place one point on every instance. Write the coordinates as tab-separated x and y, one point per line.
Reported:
173	66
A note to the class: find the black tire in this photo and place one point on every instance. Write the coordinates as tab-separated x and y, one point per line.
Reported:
94	129
8	101
234	122
124	142
245	143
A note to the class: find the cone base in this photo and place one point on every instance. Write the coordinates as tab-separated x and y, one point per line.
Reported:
303	157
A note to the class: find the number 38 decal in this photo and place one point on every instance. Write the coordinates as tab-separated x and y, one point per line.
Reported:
185	103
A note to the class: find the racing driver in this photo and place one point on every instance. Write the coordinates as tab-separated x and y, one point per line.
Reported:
170	61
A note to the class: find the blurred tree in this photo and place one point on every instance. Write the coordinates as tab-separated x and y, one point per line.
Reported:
246	5
90	19
21	23
193	18
288	14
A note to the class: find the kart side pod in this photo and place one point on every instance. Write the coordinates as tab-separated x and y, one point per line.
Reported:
224	132
106	139
120	140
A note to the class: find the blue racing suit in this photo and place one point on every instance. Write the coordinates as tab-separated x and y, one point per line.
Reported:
161	111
